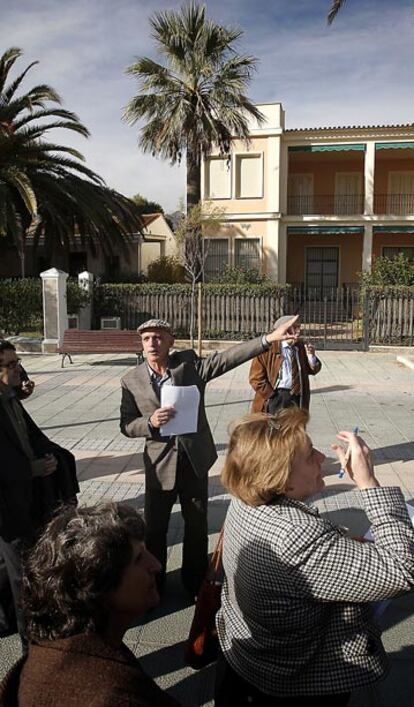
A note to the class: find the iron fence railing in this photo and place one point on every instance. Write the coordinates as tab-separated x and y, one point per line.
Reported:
345	315
337	204
394	204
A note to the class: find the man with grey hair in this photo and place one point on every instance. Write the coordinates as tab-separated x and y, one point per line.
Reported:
280	375
177	466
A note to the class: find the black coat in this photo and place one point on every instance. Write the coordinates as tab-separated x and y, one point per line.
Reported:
26	502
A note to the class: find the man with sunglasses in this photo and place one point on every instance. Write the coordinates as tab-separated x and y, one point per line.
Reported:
26	385
36	475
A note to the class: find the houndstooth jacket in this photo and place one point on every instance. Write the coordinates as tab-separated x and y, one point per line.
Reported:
295	616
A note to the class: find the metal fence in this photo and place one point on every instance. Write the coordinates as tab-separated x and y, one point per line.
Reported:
340	317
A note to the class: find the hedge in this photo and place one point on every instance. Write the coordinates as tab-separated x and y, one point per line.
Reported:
21	303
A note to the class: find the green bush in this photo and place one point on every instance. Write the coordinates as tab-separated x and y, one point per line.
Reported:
123	277
77	297
239	275
387	272
166	269
21	307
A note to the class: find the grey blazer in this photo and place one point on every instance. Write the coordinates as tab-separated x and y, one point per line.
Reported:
139	401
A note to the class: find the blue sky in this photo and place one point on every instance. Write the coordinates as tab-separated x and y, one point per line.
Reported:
359	71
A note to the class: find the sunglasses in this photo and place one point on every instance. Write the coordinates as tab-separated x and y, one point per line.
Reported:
11	364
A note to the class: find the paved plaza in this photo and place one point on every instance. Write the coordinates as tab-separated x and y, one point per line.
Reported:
78	407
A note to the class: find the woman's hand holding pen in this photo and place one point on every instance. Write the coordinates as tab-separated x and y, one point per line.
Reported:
356	460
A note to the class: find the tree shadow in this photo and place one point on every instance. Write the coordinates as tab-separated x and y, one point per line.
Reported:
130	361
403	452
79	424
90	468
228	402
331	389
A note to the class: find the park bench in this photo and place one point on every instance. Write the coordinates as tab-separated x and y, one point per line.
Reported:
100	342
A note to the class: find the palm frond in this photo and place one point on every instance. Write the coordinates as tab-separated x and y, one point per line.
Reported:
198	97
46	192
334	9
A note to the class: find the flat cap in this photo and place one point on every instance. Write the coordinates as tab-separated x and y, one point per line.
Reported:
155	324
282	320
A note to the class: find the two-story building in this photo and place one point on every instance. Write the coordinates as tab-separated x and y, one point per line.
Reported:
312	206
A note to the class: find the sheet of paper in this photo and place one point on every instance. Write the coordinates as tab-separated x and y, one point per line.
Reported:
185	399
380	606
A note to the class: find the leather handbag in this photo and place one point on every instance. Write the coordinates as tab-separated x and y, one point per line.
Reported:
202	644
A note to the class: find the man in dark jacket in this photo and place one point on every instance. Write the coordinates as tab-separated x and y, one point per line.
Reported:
36	475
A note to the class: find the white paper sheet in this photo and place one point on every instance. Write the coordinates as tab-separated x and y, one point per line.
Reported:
380	606
185	399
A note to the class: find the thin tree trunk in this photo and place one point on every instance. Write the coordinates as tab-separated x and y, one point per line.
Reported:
192	312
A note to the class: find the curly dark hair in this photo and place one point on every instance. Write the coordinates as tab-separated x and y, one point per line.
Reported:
79	558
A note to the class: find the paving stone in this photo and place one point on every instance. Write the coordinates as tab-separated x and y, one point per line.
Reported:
370	390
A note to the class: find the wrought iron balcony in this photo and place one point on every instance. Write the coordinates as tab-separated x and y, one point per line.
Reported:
394	204
338	204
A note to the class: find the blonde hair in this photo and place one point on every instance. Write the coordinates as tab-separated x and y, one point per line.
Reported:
260	454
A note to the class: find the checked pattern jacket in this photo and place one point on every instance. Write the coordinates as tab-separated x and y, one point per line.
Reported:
296	615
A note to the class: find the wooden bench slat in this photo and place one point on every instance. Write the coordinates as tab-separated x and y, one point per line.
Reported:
100	341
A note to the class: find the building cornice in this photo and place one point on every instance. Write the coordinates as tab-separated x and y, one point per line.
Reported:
252	216
347	135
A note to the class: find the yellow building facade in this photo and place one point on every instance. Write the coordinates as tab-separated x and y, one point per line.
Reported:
312	206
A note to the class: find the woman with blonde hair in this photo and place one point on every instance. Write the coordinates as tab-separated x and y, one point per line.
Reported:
296	623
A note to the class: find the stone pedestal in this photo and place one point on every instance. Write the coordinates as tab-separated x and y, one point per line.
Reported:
85	280
55	314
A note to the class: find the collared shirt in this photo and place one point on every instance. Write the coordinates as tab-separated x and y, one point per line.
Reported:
157	381
285	373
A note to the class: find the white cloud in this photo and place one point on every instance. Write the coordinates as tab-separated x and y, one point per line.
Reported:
356	72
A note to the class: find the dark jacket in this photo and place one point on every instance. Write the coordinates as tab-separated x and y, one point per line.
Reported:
264	372
26	502
81	671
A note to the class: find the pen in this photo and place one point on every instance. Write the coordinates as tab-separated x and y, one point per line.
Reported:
341	472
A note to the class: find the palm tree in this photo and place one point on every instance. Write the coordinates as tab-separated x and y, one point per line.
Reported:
197	98
46	192
334	9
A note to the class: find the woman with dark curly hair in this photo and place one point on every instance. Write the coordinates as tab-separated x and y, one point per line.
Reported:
85	583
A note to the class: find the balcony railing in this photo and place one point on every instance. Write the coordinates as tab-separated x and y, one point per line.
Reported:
340	205
394	204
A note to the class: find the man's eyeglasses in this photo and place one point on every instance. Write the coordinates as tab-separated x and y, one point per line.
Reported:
11	364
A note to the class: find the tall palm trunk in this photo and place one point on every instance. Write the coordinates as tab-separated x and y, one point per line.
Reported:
21	249
194	198
193	178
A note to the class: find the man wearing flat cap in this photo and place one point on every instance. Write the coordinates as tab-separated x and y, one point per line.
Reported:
178	466
280	375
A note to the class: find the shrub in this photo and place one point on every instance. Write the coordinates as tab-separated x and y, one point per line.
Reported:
389	272
77	297
166	269
239	275
20	305
123	277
